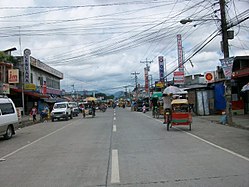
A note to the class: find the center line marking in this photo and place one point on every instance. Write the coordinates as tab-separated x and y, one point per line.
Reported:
114	128
115	167
114	118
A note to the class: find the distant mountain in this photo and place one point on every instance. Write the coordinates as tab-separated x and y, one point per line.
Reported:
119	94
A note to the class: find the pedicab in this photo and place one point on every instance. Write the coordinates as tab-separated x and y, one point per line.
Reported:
180	114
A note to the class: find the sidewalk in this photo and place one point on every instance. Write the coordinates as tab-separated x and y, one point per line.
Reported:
239	121
25	121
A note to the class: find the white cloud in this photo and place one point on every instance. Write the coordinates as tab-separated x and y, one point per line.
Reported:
98	47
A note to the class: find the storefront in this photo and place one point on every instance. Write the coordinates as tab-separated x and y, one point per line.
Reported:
240	77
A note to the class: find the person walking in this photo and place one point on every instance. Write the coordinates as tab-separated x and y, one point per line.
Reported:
33	113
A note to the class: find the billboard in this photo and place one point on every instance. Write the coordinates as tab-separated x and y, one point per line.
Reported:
161	68
178	77
13	76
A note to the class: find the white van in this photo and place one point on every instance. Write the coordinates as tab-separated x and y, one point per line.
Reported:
8	117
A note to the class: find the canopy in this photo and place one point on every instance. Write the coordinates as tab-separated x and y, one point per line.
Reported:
172	90
157	95
179	101
91	99
245	87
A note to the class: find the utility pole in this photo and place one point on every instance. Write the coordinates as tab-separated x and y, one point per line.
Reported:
147	63
226	55
146	73
136	73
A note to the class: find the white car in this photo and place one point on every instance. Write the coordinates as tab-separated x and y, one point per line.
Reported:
8	117
61	110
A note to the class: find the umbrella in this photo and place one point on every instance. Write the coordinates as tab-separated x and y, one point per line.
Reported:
157	95
91	99
171	90
245	87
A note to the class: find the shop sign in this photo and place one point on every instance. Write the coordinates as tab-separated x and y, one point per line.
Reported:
161	68
209	76
178	77
5	88
146	78
180	53
26	62
13	76
159	84
29	87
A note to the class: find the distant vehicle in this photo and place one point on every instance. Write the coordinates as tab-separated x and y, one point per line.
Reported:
141	102
61	110
8	118
75	108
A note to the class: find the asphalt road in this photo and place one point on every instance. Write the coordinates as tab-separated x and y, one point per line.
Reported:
123	148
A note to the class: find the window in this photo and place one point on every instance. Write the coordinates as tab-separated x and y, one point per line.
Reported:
7	108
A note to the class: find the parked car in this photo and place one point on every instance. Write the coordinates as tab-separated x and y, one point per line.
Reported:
61	110
8	118
75	108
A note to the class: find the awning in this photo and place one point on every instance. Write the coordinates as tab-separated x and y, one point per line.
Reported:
30	93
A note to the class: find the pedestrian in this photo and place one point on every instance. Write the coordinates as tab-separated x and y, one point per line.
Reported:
44	114
33	113
83	110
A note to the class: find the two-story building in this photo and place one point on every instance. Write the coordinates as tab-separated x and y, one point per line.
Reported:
30	82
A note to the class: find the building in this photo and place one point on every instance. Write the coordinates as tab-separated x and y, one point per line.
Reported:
240	77
41	87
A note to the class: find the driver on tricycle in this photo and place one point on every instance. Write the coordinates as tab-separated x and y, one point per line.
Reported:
167	98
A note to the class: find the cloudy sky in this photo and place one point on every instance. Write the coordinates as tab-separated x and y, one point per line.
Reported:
98	44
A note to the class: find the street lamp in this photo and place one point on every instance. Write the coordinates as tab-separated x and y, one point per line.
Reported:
184	21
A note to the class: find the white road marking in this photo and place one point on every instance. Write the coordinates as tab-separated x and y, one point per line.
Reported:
217	146
114	118
114	128
115	167
210	143
4	157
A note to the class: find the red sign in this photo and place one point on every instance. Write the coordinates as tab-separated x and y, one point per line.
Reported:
13	76
209	76
178	77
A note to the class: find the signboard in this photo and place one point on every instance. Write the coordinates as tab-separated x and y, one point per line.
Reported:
44	88
26	62
227	65
178	77
29	87
13	76
180	53
159	84
5	88
45	67
209	76
146	78
161	68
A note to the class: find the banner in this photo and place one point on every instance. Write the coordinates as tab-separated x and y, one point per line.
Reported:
161	68
227	65
26	62
13	76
